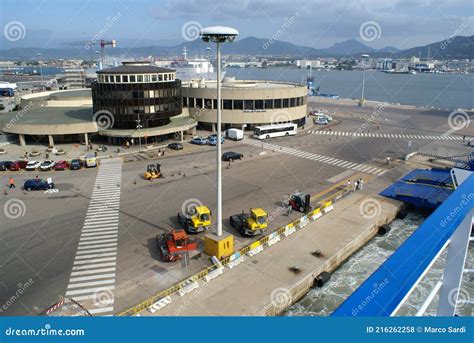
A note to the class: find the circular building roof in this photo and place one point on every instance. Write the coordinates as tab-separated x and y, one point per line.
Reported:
135	68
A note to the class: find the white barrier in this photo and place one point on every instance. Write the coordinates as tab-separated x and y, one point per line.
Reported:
255	251
160	304
303	222
188	288
316	215
328	209
289	230
213	274
273	238
235	260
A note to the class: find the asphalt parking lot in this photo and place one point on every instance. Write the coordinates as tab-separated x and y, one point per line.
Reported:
40	243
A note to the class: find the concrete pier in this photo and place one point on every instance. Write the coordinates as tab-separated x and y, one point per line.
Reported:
265	284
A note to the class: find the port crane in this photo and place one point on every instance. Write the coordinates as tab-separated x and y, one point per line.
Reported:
101	43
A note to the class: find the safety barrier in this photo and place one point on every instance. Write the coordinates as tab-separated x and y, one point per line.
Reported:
209	273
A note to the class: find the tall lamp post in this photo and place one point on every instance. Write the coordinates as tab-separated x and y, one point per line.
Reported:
362	99
39	54
218	35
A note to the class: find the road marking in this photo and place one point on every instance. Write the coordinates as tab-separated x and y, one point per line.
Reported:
93	251
386	135
96	256
96	265
98	241
93	277
93	271
310	156
89	290
105	259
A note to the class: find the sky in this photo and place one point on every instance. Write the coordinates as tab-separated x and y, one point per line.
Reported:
314	23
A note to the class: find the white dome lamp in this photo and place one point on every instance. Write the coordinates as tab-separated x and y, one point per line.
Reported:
219	34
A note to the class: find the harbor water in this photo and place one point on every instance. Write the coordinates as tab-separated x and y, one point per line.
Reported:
445	91
323	301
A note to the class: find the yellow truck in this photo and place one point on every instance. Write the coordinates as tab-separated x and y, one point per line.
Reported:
196	219
253	223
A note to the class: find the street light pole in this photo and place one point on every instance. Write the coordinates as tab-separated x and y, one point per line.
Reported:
362	99
219	148
139	126
219	34
41	68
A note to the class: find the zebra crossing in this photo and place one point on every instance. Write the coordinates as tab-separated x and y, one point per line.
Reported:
384	135
363	168
92	279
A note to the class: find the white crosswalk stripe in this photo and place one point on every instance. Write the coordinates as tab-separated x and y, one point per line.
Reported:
93	274
315	157
387	135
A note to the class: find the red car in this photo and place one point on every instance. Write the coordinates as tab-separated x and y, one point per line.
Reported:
17	165
61	165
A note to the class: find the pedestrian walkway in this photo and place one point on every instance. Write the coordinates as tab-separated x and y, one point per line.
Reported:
363	168
92	279
385	135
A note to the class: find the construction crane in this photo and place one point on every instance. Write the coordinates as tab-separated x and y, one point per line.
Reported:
102	43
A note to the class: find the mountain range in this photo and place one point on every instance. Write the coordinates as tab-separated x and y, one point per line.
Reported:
459	47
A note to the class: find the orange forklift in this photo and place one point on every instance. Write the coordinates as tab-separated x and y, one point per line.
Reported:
173	245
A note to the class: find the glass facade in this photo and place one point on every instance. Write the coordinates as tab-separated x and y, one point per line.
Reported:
155	102
248	105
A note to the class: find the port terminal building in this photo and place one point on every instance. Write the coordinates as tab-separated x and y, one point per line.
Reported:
245	104
149	104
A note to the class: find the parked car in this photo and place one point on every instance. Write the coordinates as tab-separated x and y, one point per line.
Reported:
316	113
47	165
212	139
231	155
17	165
91	161
175	146
324	116
61	165
5	165
33	165
37	185
75	164
321	121
199	141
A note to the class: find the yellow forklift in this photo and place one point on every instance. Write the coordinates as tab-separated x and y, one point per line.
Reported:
196	219
251	224
153	172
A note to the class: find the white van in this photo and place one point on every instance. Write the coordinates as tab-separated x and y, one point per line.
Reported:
235	134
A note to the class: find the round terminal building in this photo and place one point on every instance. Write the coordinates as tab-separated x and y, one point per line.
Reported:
132	101
245	104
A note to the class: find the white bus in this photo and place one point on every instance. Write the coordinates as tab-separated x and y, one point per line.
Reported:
276	130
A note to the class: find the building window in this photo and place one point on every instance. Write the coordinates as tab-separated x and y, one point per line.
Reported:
227	104
292	102
117	78
132	78
269	103
277	103
259	104
198	102
166	77
214	103
185	102
139	78
154	78
285	103
191	102
147	78
207	103
124	78
238	104
160	77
